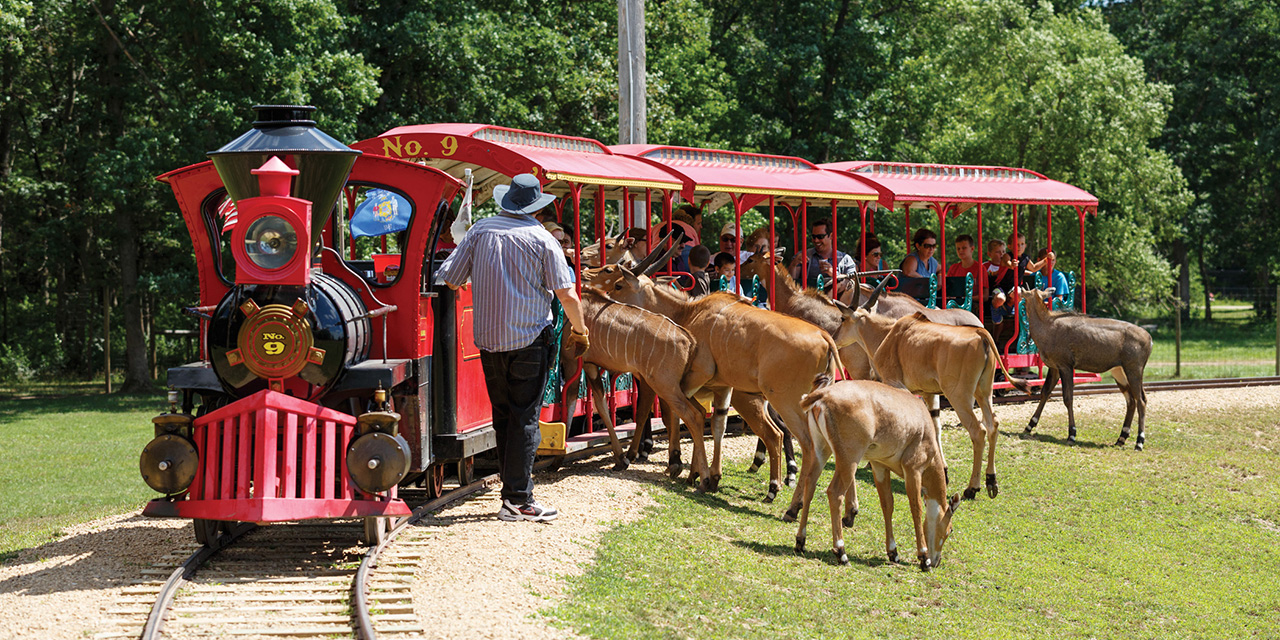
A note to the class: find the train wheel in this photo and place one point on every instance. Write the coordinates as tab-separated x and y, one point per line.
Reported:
434	481
207	531
375	530
467	470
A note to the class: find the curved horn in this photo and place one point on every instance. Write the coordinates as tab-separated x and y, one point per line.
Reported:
857	293
657	264
875	294
658	248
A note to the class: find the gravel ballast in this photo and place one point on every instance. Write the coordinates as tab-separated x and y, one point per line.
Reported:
488	579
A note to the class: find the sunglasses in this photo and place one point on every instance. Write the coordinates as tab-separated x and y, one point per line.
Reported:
874	253
927	245
727	238
818	236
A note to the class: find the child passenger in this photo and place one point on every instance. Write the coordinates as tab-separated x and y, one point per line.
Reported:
699	259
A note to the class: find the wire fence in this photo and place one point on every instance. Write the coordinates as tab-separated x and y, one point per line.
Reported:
1234	334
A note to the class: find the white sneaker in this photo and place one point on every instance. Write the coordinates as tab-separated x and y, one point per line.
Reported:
531	510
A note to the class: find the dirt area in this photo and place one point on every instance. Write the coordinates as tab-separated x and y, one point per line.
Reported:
491	579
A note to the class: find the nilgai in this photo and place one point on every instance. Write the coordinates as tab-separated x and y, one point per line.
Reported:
1068	341
888	427
756	351
930	359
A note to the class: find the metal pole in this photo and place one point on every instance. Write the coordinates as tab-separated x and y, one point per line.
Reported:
1177	333
106	333
631	72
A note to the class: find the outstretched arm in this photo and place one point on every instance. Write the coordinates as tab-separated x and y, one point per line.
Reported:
572	308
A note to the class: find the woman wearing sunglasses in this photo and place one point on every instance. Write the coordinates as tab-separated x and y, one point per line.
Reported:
873	261
921	263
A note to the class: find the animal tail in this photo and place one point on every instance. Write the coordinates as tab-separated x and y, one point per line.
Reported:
816	414
994	352
834	369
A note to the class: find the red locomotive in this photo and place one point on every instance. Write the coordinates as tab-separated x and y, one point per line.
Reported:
330	362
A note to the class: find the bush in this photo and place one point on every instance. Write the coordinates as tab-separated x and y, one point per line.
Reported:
15	366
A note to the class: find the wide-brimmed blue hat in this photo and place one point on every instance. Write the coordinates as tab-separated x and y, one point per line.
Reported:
523	195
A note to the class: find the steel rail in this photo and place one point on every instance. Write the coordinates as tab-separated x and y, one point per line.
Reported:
155	620
1097	388
360	586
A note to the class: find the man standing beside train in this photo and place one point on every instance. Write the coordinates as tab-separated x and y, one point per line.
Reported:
515	267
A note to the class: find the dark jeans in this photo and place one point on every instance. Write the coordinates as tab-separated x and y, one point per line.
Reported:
515	380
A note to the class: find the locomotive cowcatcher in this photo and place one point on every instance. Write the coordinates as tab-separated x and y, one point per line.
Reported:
330	362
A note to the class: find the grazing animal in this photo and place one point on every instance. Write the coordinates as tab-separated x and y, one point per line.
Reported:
930	359
663	356
1068	341
861	419
756	351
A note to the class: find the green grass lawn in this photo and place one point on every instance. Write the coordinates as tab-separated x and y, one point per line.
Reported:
1235	344
69	459
1088	541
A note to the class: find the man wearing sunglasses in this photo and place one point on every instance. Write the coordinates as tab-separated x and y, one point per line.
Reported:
819	258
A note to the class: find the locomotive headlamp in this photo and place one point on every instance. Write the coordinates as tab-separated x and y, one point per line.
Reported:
271	242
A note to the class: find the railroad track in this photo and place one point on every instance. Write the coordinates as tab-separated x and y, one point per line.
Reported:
293	580
1161	385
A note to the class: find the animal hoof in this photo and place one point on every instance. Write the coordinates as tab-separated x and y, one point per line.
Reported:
646	447
713	483
848	519
1071	438
799	544
842	557
621	465
673	470
970	493
1119	442
790	515
643	456
693	477
925	564
893	556
753	468
790	480
993	489
1027	431
1137	447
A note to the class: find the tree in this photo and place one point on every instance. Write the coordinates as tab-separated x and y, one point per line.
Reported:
998	83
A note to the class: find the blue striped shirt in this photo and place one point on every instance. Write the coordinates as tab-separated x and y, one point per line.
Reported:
514	265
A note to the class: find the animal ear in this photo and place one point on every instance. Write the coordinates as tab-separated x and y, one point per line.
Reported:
953	504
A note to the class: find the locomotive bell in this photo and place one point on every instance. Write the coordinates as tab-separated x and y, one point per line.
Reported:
287	132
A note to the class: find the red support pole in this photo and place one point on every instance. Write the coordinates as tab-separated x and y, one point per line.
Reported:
804	242
942	250
600	221
1080	211
862	241
773	270
737	242
835	253
982	273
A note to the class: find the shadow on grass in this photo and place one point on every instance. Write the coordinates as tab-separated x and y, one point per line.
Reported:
1044	437
789	551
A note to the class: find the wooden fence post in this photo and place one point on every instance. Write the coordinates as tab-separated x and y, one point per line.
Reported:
106	333
1277	314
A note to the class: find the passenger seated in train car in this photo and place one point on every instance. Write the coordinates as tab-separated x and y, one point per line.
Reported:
818	258
722	279
699	260
1001	275
561	237
967	266
921	263
1056	279
639	239
873	261
1026	268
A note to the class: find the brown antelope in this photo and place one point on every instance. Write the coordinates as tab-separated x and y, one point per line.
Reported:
756	351
861	419
897	305
663	356
1068	341
617	250
930	359
817	308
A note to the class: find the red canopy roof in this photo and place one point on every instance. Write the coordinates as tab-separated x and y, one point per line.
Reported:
717	175
494	154
923	185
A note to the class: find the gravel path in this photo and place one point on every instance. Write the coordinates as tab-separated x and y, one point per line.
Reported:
492	579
